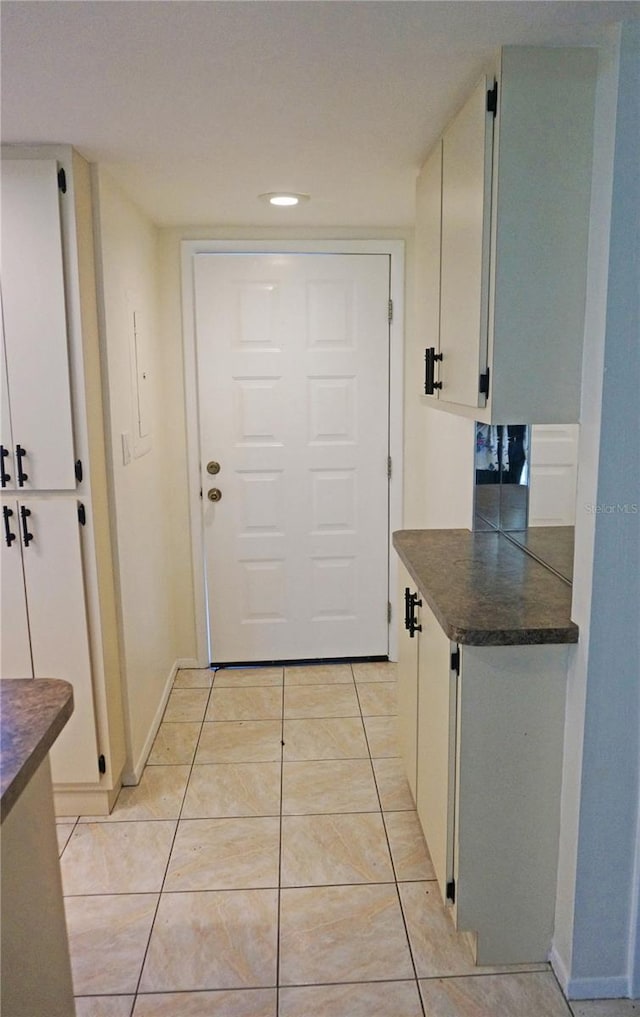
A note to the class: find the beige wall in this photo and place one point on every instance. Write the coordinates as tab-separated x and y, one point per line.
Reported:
150	494
147	553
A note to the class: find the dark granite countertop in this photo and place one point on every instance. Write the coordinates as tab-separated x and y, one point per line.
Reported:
32	715
552	545
484	590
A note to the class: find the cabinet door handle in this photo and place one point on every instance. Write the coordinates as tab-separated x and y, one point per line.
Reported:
20	454
411	601
430	357
8	535
6	477
24	515
407	608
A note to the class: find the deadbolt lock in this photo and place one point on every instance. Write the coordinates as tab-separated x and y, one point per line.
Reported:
215	494
213	467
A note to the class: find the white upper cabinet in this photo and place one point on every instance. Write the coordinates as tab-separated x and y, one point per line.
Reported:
36	388
467	149
511	278
7	462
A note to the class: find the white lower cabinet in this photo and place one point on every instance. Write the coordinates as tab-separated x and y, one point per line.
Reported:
437	690
408	680
44	623
485	726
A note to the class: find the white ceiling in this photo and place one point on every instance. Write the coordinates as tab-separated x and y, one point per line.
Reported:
197	107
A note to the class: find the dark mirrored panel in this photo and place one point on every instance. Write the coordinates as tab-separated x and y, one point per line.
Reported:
502	474
505	472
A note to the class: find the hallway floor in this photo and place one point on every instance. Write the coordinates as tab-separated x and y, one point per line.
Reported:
270	864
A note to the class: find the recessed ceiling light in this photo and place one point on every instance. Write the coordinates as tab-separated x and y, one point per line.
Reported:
284	198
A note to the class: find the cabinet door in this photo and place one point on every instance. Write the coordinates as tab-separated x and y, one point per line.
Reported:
408	685
58	623
6	438
35	323
428	228
466	228
15	654
436	746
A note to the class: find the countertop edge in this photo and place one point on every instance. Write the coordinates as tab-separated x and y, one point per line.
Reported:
564	633
23	762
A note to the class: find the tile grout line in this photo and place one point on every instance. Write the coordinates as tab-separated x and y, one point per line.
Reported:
175	834
395	881
191	767
395	873
279	900
66	843
134	993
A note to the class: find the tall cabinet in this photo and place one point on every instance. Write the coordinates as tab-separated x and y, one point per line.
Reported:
58	603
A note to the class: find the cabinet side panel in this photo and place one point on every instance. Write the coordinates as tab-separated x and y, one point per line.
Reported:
511	719
99	571
545	154
34	954
427	263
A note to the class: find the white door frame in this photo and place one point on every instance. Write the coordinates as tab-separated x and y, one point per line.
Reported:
189	248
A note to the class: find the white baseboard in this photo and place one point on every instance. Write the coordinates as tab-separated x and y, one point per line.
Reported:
131	777
190	662
613	987
80	802
559	968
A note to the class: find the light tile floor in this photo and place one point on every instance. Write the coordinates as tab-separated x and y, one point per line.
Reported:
270	864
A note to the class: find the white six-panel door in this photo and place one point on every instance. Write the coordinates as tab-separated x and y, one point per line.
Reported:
554	470
293	383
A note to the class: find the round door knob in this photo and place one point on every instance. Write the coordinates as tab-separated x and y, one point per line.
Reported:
213	467
215	494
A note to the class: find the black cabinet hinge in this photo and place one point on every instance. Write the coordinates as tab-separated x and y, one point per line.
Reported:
102	764
82	515
455	660
451	891
78	470
390	310
62	181
483	384
492	99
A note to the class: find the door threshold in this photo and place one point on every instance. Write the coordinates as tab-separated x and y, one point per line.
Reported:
305	661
